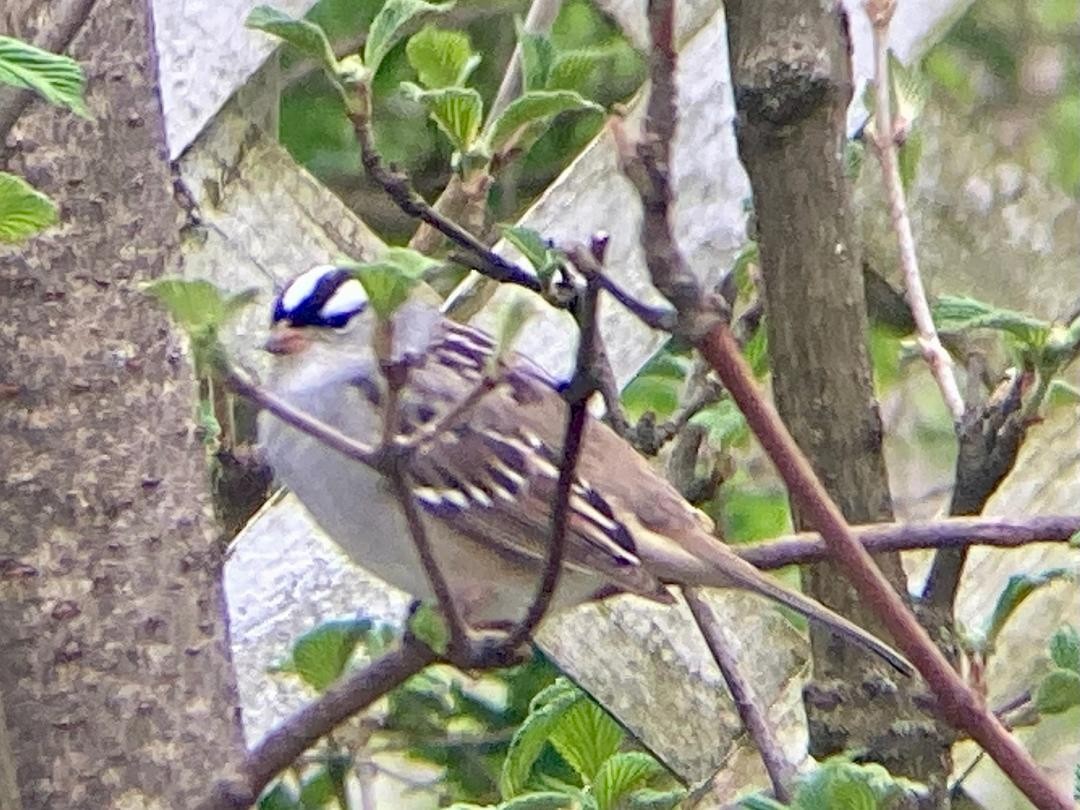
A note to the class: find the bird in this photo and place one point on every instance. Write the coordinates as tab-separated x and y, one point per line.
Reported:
485	427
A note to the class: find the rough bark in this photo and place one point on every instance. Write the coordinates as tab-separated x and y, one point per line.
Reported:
792	78
116	681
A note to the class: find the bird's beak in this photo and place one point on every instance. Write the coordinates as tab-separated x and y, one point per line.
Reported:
285	340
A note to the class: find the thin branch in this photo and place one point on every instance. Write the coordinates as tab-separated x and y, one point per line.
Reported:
808	547
937	358
305	727
396	184
578	393
294	417
781	772
459	637
956	702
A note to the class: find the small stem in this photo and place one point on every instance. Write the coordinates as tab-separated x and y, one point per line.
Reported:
781	772
884	143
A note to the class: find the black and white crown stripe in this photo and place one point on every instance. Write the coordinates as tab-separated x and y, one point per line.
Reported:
325	296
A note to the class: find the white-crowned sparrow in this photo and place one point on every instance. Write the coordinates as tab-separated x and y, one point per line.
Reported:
485	483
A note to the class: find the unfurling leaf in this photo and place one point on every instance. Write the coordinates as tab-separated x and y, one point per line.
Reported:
1018	588
441	58
389	26
531	110
303	35
24	211
534	247
537	55
457	110
57	78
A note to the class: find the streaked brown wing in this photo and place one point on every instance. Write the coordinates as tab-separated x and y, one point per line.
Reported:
492	473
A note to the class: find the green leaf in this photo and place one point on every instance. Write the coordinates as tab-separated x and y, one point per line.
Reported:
537	55
909	91
908	156
387	285
457	110
317	789
304	35
541	800
533	108
530	244
200	309
57	78
279	797
575	70
622	773
411	262
960	314
441	58
585	737
725	423
512	318
389	26
1065	648
24	211
546	710
839	783
320	655
1058	692
429	625
1017	589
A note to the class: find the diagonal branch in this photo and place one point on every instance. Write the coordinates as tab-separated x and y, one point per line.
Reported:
956	702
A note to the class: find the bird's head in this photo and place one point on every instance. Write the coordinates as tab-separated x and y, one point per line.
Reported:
318	305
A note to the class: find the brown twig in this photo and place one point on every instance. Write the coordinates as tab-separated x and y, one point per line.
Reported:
581	387
956	702
808	547
781	772
937	358
397	186
305	727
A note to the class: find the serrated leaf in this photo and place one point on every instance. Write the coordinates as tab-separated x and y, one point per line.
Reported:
541	800
1058	692
320	655
537	55
534	108
960	314
24	211
586	737
622	773
457	110
831	788
304	35
1065	648
196	304
1017	589
530	738
389	26
441	58
57	78
575	70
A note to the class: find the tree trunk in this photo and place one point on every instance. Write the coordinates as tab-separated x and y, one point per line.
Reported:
116	679
792	77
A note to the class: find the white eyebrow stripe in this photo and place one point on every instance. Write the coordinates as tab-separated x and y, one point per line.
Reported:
348	299
303	286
